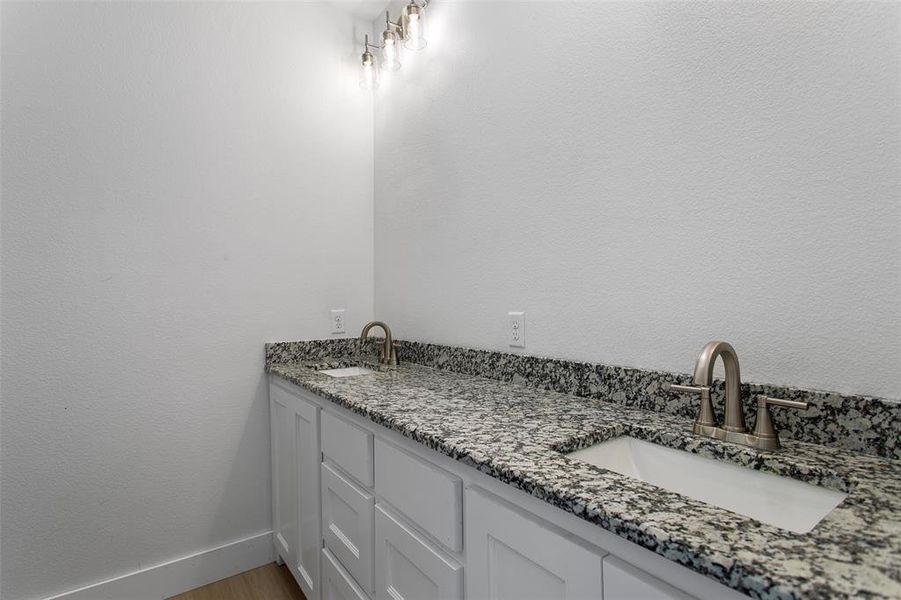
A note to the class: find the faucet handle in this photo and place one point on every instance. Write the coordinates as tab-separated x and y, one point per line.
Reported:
689	389
767	401
767	437
706	418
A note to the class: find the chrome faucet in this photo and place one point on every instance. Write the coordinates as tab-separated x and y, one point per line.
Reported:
734	430
388	353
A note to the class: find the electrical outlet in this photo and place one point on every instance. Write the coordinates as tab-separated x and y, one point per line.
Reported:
516	329
338	320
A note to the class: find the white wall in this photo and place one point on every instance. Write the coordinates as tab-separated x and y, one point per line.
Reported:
182	182
641	178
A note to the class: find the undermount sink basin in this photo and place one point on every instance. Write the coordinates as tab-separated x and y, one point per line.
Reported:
347	372
780	501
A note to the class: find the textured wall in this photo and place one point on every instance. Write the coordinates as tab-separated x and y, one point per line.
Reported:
181	182
641	178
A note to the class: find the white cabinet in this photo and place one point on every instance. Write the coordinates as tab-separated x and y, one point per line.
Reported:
622	581
295	481
513	556
408	567
347	521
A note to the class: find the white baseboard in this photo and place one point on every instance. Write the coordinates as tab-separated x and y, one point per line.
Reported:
181	574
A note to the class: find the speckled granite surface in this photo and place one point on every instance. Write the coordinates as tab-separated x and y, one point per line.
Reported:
516	433
850	422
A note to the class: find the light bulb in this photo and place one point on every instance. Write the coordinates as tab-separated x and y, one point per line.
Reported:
414	36
390	50
370	77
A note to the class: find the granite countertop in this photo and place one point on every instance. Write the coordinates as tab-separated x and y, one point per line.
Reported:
517	434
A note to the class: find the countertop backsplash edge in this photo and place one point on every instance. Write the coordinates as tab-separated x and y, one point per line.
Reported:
856	423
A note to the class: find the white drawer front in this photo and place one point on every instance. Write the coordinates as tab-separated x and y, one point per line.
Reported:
622	581
348	446
431	497
347	514
336	583
410	568
512	555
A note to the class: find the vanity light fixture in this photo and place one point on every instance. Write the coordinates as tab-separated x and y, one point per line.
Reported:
409	31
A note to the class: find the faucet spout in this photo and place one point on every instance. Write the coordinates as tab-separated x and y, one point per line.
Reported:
765	436
388	354
735	416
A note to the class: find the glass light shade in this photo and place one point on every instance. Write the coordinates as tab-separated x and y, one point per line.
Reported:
414	30
390	50
369	79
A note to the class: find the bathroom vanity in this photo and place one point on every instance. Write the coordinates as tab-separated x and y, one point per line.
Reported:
415	483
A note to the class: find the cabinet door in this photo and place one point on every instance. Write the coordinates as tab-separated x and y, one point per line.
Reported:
622	581
309	529
514	556
282	410
296	515
408	567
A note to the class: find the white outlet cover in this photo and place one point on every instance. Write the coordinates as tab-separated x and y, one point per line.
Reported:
516	329
338	325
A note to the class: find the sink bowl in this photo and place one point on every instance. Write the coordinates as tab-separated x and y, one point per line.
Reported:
347	372
780	501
